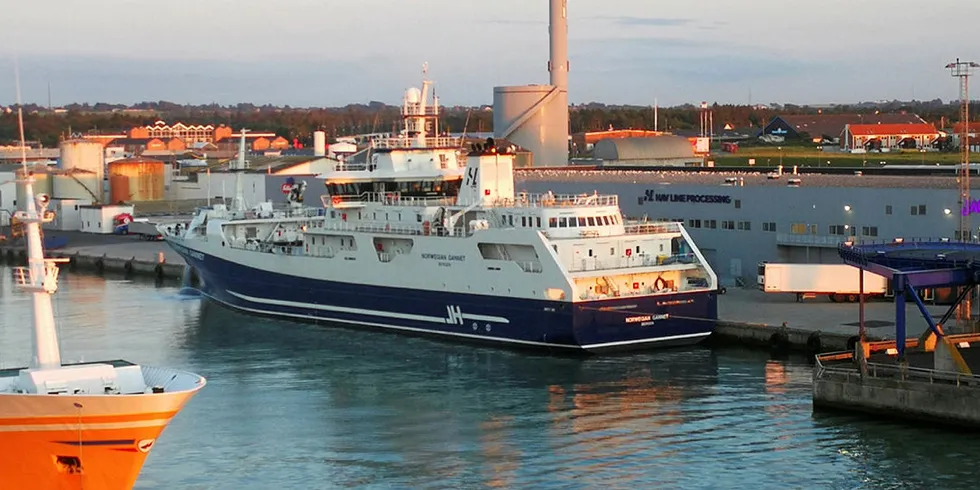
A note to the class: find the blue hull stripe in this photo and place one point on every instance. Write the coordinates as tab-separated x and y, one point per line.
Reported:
692	337
360	311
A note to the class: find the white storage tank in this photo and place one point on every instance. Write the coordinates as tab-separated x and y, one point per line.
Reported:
77	184
42	185
534	117
319	143
83	155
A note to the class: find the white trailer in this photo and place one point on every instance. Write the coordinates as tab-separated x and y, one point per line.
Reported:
841	282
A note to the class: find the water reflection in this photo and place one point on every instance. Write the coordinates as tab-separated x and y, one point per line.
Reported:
300	406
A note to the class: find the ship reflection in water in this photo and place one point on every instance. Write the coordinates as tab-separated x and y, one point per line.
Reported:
303	406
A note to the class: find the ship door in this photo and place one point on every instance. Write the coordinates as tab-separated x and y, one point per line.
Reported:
581	258
736	267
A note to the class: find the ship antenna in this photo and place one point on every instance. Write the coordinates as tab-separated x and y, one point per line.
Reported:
39	277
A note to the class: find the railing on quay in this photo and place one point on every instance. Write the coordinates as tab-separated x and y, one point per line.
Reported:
878	370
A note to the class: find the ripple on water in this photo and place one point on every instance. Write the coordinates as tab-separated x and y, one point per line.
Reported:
302	406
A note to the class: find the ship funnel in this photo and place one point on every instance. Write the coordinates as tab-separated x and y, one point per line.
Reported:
489	176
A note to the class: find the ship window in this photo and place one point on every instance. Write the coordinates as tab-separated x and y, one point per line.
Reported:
552	222
605	220
418	217
563	222
612	250
581	221
797	228
738	204
523	220
638	249
539	222
888	209
661	247
869	230
590	252
591	221
572	222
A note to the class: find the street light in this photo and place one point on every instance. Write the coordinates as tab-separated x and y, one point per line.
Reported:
847	207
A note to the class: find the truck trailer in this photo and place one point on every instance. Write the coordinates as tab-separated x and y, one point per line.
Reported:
841	282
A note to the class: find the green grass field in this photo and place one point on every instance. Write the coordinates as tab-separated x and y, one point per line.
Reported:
809	157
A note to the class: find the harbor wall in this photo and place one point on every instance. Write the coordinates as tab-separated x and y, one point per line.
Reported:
78	261
912	399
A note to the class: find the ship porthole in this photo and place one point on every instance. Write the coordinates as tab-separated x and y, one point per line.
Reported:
487	328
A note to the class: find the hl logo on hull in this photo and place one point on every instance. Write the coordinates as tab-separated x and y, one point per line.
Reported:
454	315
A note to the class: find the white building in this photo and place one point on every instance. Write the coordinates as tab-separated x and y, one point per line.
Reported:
101	218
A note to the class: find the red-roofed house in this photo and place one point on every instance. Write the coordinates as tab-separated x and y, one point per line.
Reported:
878	136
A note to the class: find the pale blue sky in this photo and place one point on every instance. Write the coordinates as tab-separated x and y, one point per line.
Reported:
332	52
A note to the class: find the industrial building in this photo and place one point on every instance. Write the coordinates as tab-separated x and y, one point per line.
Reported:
888	136
535	117
742	219
666	150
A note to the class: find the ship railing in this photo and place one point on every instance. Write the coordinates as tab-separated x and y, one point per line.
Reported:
550	200
632	261
387	228
408	142
385	198
352	167
652	228
414	110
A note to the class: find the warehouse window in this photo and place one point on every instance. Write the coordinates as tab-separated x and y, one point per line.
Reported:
728	225
738	204
838	229
710	223
694	223
770	226
869	230
888	209
797	228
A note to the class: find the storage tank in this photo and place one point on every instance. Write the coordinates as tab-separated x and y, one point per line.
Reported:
83	155
137	179
534	117
319	143
42	185
76	184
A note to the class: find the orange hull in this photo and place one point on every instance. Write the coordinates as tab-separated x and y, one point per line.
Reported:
80	442
108	459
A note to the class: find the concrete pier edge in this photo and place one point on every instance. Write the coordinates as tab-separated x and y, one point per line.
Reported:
103	263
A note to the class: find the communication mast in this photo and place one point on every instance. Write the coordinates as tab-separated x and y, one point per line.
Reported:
962	71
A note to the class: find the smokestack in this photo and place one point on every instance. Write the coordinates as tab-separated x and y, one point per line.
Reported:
558	28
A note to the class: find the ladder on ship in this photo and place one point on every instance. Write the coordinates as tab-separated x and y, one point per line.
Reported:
611	285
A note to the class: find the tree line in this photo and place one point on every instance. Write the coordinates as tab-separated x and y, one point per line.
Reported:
47	128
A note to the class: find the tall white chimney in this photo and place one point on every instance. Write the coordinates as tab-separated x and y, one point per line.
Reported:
558	28
319	143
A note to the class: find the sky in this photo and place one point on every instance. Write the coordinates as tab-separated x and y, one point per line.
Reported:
307	53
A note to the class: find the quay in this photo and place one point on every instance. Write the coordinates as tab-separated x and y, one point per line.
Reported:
125	254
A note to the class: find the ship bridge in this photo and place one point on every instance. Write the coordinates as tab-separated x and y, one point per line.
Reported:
913	264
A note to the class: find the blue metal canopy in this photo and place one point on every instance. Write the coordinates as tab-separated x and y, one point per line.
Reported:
912	264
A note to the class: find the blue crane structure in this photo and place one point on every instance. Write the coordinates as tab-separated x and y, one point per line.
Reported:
918	264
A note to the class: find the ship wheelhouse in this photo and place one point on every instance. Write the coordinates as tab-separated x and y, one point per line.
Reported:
427	187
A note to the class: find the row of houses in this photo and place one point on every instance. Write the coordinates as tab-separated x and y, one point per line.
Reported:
866	131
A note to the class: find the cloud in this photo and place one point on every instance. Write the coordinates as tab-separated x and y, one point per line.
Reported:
631	20
513	22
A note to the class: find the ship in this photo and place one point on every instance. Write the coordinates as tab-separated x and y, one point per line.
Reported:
84	425
417	234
